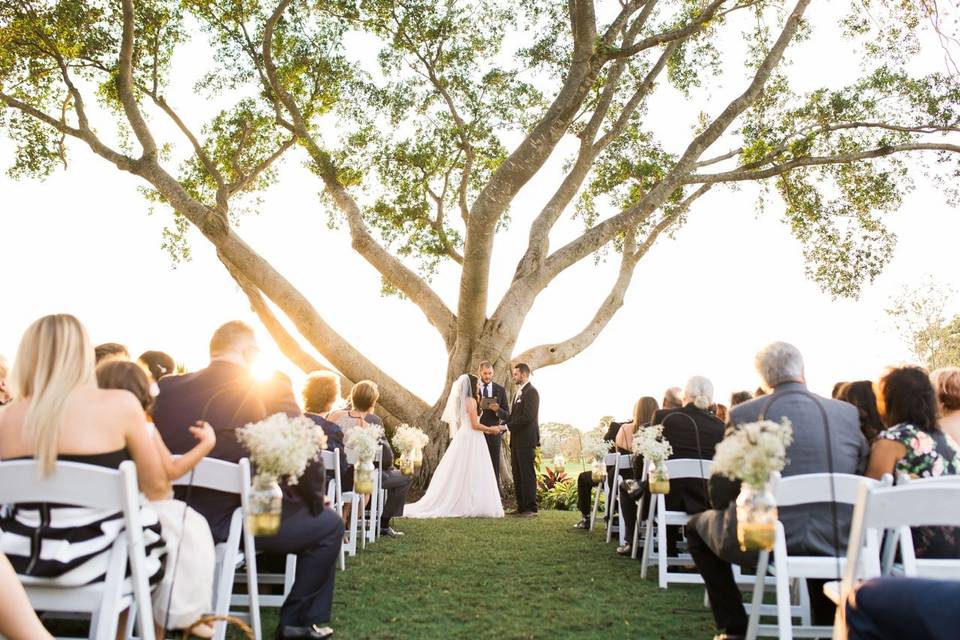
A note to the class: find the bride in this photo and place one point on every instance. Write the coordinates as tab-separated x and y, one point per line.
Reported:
463	484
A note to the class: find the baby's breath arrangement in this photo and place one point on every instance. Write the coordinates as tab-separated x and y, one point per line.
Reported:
595	447
649	443
753	451
281	447
407	438
364	441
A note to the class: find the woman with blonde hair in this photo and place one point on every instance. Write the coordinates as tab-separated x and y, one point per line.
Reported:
59	414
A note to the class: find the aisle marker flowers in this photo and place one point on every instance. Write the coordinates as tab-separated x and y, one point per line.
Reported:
754	451
281	447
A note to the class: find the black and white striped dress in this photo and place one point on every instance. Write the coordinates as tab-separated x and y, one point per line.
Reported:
70	545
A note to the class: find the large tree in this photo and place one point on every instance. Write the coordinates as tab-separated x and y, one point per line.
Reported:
423	119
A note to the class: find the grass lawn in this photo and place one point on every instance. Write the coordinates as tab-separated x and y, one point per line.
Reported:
506	578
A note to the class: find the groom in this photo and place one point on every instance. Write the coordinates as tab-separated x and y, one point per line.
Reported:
524	427
495	413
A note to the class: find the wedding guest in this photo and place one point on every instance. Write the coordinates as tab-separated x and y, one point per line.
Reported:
59	414
158	363
226	395
896	608
320	392
694	433
182	528
860	394
18	621
5	395
915	445
739	397
722	413
673	398
363	400
946	381
835	394
494	414
110	351
620	435
810	529
643	413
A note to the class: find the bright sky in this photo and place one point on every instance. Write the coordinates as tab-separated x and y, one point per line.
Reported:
84	242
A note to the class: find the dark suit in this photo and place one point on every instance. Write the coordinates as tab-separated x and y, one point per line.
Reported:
396	484
809	528
225	395
334	442
490	419
524	426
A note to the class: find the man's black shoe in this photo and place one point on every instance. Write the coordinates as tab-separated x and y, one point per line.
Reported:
583	524
391	532
313	632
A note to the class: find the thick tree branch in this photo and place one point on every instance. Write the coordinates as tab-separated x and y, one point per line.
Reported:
551	354
674	35
208	165
125	85
739	175
398	274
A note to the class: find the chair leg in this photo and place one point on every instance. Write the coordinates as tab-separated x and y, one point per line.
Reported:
225	573
647	542
806	617
636	530
289	574
253	589
612	511
757	601
784	618
661	544
596	505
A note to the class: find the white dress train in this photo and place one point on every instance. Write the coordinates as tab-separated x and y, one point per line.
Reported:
463	485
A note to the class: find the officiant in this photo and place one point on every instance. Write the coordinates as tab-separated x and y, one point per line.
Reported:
493	405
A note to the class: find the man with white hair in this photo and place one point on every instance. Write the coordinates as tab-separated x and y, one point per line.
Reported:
5	395
810	529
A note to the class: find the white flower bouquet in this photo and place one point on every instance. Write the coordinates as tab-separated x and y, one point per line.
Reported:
364	441
281	447
595	447
408	439
753	451
649	443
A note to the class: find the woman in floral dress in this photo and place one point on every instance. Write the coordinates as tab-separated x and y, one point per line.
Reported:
913	444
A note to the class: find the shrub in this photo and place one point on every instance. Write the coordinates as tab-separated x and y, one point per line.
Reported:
562	496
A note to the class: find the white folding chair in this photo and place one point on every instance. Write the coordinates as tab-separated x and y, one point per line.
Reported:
795	491
359	511
640	519
234	478
659	516
331	461
879	508
623	461
91	487
901	538
609	460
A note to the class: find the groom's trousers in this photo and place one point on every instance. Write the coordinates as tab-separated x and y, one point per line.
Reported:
493	446
523	461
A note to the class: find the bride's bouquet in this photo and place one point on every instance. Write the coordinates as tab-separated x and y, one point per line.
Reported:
281	447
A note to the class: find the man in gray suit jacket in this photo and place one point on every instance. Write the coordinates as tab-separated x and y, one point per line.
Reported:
810	529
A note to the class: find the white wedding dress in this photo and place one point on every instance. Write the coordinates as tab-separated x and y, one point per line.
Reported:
463	486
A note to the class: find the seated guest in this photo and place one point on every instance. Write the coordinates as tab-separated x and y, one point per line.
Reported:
5	395
363	400
693	432
585	481
320	391
722	413
17	618
110	351
59	414
835	394
739	397
860	394
181	527
898	608
946	381
158	363
809	528
916	446
226	395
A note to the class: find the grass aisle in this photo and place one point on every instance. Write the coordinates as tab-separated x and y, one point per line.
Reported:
507	578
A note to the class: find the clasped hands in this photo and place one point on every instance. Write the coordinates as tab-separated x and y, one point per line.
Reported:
498	429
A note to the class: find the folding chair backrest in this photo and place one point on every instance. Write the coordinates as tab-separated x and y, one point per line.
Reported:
72	483
913	505
680	468
211	473
610	459
624	461
811	488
